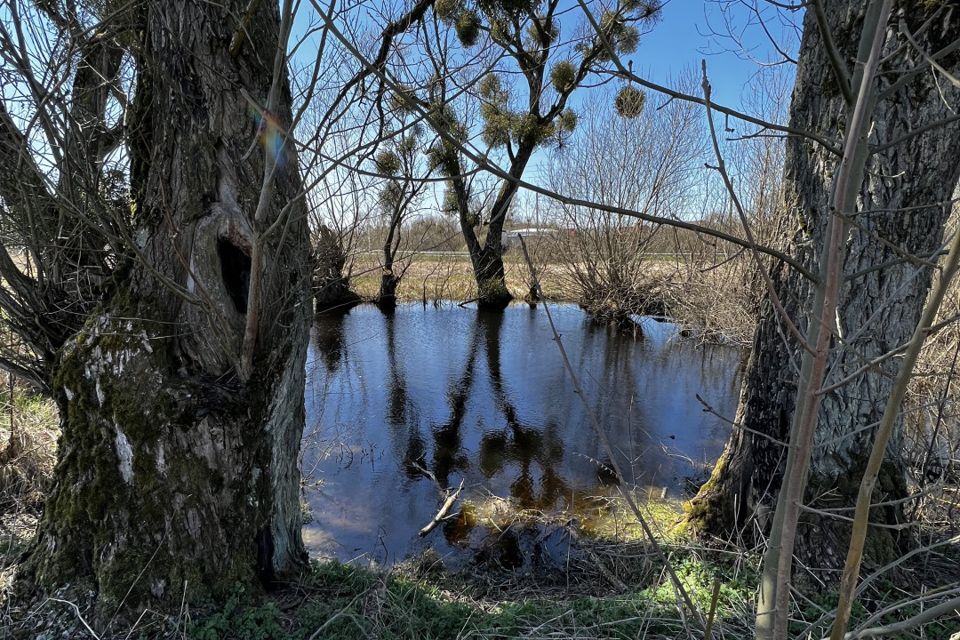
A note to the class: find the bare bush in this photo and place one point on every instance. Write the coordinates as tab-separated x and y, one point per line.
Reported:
647	162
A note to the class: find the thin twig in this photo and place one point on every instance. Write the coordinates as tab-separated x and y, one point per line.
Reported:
442	513
608	450
76	610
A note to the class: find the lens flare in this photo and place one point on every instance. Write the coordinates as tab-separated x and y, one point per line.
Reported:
270	135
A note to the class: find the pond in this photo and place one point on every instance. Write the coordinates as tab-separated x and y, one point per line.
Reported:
401	405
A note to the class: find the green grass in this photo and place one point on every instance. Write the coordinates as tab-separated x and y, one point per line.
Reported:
344	602
341	602
348	603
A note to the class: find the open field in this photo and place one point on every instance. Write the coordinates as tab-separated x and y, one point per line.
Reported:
712	301
449	276
429	276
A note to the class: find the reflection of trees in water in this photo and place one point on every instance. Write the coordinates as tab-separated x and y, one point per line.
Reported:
322	440
328	334
404	429
396	388
519	443
618	374
610	385
448	455
526	446
532	454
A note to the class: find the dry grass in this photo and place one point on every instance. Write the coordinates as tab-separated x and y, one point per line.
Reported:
429	278
28	447
714	302
29	437
931	410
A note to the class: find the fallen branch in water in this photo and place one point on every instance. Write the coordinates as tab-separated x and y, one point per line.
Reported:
430	475
442	513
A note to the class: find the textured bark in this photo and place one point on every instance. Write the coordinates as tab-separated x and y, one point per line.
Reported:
387	296
486	258
331	289
880	301
175	478
389	280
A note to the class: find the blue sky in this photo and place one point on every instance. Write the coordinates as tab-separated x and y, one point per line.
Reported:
724	32
686	34
683	38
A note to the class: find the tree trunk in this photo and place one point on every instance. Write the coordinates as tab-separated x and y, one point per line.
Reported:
331	289
387	297
175	477
389	281
492	292
487	259
881	298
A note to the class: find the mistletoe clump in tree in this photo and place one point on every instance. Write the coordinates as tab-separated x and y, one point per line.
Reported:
519	118
401	162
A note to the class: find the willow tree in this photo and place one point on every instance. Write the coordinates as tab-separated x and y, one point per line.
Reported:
524	38
181	403
401	162
891	241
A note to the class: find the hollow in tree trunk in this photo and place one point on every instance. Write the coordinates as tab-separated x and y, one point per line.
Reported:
176	476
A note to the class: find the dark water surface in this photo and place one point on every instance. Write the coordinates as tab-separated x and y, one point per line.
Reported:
484	398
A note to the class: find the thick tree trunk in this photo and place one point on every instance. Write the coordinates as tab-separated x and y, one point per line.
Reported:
176	477
389	281
492	292
331	289
387	296
487	259
901	212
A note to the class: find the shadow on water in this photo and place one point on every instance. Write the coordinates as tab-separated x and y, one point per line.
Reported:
401	405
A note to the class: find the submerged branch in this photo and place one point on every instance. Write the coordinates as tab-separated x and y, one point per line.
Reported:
442	513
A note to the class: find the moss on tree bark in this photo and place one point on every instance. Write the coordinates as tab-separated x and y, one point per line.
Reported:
176	475
901	212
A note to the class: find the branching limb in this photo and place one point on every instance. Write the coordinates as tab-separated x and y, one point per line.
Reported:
840	72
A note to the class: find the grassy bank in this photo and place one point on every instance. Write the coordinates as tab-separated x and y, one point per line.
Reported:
712	302
430	277
417	602
421	601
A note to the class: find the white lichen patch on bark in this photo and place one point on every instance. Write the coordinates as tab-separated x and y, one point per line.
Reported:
157	587
191	283
161	460
124	454
145	341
